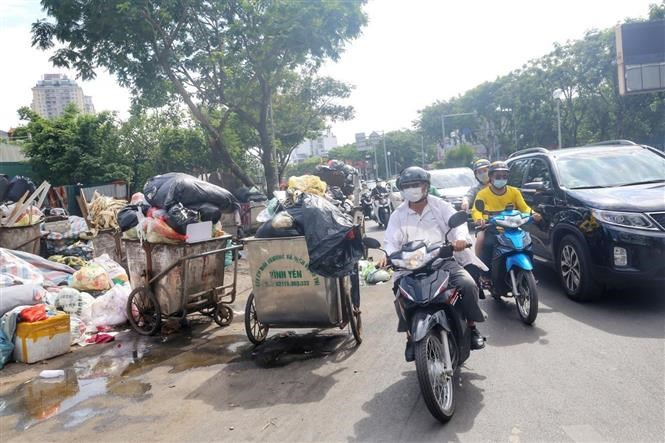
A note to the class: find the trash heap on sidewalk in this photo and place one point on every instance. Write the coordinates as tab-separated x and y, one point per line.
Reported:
334	244
169	204
20	215
47	306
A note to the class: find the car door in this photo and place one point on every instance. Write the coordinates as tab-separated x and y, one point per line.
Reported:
538	191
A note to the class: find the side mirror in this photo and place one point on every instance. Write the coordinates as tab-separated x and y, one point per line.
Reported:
457	219
535	186
479	205
371	243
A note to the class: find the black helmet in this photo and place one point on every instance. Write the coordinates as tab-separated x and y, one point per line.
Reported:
412	174
479	164
498	166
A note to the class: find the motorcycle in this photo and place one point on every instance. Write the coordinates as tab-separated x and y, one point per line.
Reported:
366	203
512	261
381	208
337	197
436	322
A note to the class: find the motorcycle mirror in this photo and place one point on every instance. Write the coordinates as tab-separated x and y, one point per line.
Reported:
371	243
479	205
457	219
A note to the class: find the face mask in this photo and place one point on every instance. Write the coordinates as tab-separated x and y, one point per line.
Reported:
499	183
483	177
412	194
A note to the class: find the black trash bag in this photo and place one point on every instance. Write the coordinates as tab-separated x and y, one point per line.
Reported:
4	187
207	212
334	244
18	186
170	189
128	216
178	217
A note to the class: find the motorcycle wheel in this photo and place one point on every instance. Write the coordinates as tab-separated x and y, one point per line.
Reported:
436	386
527	301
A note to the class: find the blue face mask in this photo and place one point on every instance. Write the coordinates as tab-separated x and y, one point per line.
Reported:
499	183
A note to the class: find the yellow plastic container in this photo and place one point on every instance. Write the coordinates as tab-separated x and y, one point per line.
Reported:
44	339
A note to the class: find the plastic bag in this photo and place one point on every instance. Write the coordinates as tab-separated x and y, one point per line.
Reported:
138	199
130	216
334	244
74	302
217	230
157	231
30	217
110	308
33	314
91	278
178	217
114	270
18	186
77	328
310	184
207	212
6	349
167	190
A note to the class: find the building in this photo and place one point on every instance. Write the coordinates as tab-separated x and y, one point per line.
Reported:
54	92
313	148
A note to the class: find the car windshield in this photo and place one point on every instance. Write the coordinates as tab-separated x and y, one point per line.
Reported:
609	168
452	178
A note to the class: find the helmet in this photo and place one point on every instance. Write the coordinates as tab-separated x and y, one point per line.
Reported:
412	174
479	164
498	166
336	164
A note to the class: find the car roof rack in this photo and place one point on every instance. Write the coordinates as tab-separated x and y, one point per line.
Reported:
528	151
613	142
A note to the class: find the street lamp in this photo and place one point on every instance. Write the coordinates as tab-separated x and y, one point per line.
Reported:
557	95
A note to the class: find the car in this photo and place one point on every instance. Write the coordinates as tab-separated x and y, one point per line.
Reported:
452	184
603	209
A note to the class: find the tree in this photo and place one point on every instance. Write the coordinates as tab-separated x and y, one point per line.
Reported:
306	167
459	156
75	148
220	57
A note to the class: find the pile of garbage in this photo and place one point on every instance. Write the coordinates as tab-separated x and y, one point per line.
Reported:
103	211
20	201
337	174
52	299
334	244
169	204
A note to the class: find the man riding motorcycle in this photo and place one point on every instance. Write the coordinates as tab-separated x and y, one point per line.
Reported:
424	217
496	197
481	172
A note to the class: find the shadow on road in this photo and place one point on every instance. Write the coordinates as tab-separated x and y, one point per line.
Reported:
271	379
399	412
630	312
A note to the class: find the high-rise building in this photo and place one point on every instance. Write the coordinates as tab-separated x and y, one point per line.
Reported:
314	148
54	92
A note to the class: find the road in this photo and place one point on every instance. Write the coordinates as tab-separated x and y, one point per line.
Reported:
583	372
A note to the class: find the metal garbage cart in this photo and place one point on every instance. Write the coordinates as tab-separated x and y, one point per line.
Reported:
172	280
286	294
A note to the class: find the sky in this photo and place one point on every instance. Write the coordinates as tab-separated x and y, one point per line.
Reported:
411	53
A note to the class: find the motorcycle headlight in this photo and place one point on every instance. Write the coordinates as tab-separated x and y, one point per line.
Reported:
626	219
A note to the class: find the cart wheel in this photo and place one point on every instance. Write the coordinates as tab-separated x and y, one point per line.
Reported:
352	314
223	315
208	311
256	332
143	311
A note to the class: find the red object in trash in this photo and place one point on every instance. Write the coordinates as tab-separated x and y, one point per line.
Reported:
33	314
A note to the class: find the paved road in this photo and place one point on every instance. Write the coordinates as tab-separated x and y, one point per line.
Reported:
583	373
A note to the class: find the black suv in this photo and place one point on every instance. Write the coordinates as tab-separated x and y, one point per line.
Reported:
603	209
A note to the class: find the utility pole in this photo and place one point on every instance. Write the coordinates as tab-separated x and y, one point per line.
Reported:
385	154
422	149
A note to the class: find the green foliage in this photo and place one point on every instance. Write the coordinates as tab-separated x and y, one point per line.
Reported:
222	58
75	148
459	156
306	167
518	110
347	153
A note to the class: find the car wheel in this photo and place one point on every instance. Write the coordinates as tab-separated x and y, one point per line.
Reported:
574	268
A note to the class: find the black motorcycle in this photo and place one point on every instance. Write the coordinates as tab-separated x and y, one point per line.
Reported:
366	203
437	325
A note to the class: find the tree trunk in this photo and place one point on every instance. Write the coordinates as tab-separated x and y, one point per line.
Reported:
222	159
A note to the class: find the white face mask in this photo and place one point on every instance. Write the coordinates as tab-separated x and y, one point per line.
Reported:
483	177
413	194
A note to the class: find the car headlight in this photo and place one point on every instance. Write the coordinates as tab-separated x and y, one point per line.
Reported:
626	219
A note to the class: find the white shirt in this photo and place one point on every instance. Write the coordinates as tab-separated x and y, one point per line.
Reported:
407	225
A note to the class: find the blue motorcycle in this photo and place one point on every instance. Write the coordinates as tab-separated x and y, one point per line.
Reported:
512	261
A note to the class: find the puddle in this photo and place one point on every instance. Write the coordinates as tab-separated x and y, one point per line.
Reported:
289	347
115	372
